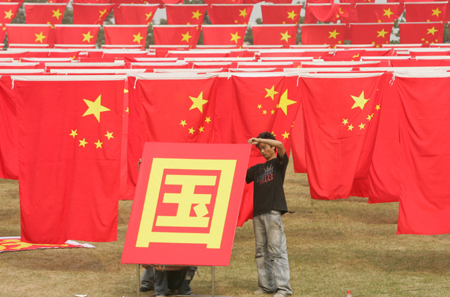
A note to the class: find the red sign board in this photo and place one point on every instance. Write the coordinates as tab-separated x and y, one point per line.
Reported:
186	204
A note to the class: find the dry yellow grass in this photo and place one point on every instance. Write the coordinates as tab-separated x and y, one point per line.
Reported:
334	246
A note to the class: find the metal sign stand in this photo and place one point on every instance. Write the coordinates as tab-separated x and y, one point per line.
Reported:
138	275
213	272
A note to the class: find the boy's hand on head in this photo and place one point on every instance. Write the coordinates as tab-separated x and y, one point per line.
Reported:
253	141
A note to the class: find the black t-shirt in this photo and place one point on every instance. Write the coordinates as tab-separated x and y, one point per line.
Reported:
268	181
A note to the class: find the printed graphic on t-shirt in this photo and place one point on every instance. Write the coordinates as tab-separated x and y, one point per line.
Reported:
266	176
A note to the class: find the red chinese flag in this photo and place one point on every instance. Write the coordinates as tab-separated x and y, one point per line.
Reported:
76	34
223	14
322	12
341	114
9	161
44	13
176	35
285	35
89	14
371	33
185	14
323	34
134	14
28	34
281	14
8	11
425	33
426	12
92	1
126	34
69	156
424	204
211	2
224	35
378	13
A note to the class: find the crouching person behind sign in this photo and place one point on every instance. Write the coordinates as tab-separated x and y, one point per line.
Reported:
173	278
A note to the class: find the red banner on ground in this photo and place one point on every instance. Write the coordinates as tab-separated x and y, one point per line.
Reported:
13	244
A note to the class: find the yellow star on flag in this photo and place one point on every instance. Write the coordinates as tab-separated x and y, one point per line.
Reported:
273	133
377	107
109	135
382	33
198	102
333	34
345	121
388	12
137	38
56	14
264	111
196	14
8	14
361	126
272	111
285	102
243	13
95	108
101	13
270	93
148	15
350	127
83	142
183	123
191	130
259	106
436	12
235	37
127	110
74	133
432	31
98	144
369	117
359	101
285	36
285	135
87	37
40	37
207	120
201	129
186	37
291	15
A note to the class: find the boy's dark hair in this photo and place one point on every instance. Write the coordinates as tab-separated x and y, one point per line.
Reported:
267	135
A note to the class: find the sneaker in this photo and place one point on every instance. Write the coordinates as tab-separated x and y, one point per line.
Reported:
145	289
261	291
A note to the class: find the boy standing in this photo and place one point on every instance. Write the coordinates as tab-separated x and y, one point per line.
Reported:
269	204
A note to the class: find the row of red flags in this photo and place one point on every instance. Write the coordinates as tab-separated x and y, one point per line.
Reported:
233	35
74	142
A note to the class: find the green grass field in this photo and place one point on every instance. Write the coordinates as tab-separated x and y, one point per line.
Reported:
333	246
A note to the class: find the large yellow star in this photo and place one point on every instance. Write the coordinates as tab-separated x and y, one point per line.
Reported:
87	37
359	101
432	31
285	36
186	37
98	144
388	12
243	13
285	102
95	108
148	15
235	37
333	34
56	14
8	14
381	33
436	12
40	37
138	38
291	15
270	93
196	14
198	102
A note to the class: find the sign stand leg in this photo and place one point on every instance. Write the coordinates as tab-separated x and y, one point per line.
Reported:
213	270
138	276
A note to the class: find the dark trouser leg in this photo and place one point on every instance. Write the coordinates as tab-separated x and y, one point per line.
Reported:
161	285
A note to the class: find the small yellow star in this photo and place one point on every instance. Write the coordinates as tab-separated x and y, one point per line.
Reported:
109	135
350	127
264	111
285	36
436	12
273	133
186	37
198	102
382	33
361	126
270	93
359	101
74	133
183	123
377	107
272	111
291	15
201	129
40	37
9	14
125	91
83	142
369	117
345	121
207	120
148	15
101	13
191	130
196	14
243	13
98	144
285	135
56	14
432	31
259	106
127	110
388	12
235	37
333	34
87	37
137	38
